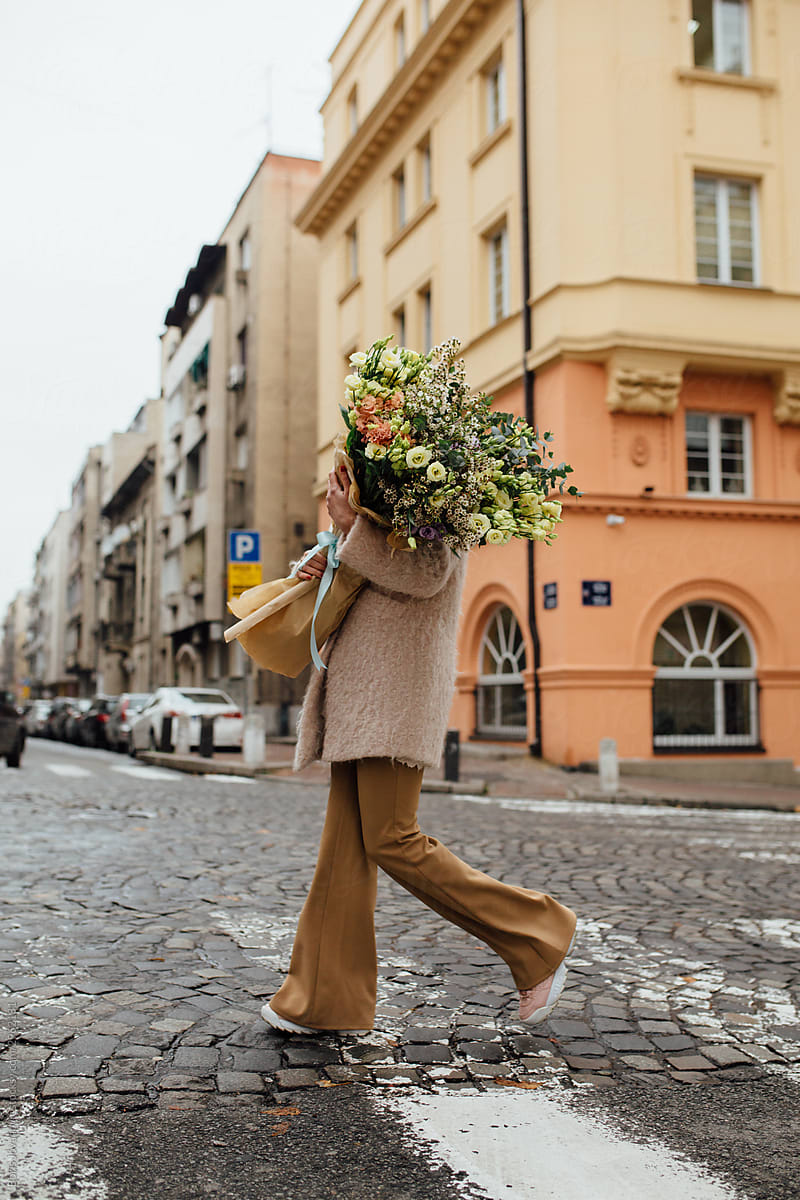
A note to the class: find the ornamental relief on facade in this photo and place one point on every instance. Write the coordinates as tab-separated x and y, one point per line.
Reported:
787	401
651	388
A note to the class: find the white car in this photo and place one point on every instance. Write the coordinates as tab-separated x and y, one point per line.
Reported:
145	728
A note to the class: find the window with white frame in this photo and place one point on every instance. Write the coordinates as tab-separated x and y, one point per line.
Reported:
501	698
400	41
399	198
495	85
498	275
352	111
425	167
399	315
721	35
726	230
718	454
704	691
426	305
351	252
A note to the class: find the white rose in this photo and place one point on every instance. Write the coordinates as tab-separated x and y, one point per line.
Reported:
437	501
358	359
503	500
552	507
352	381
417	457
391	360
375	451
480	523
436	472
497	537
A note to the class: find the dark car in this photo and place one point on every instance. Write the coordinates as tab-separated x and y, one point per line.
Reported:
93	725
119	721
56	719
73	721
12	729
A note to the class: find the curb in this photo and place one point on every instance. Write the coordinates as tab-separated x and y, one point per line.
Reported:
657	801
192	764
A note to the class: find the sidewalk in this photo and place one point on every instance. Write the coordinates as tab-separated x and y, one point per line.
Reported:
513	775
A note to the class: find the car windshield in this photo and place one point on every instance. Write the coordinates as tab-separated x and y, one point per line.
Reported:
138	700
206	697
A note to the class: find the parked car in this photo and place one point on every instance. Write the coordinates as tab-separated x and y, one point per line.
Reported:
145	731
12	729
35	720
60	710
73	720
92	728
120	717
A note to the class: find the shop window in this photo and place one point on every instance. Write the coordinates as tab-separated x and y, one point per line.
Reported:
704	693
501	692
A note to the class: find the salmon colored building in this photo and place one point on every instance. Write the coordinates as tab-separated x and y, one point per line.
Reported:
660	266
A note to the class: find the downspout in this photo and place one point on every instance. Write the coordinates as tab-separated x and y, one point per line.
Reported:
528	374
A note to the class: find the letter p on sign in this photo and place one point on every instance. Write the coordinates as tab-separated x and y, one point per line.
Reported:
244	546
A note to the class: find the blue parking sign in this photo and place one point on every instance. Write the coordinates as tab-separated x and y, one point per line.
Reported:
244	546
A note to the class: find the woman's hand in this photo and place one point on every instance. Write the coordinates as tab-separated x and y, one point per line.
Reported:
314	568
338	505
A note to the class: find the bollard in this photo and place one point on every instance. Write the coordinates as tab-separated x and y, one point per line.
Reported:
183	738
608	765
165	740
254	742
206	737
452	755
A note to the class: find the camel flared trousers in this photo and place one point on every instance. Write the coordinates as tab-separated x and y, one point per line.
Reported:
371	822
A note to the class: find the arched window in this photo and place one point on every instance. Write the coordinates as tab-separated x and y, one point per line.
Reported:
501	693
704	694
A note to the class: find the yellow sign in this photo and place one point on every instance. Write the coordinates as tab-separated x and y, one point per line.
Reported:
242	576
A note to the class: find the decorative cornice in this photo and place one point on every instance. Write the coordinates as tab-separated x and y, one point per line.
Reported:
683	506
787	399
596	677
407	89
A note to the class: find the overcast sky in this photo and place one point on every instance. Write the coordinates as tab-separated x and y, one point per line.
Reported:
127	133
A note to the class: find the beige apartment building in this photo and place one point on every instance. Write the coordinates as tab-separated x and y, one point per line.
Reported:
47	616
663	244
127	630
14	663
239	434
80	644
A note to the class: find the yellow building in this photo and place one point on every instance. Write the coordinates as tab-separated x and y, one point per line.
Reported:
663	237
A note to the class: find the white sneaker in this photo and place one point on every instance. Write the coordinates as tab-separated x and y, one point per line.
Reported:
277	1022
536	1003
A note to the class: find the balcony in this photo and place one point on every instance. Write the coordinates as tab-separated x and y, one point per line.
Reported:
116	635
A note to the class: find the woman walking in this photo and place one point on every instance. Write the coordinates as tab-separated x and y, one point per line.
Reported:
378	715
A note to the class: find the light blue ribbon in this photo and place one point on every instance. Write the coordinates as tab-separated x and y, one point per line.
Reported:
327	542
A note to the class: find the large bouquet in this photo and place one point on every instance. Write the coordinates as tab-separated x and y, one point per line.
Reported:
430	461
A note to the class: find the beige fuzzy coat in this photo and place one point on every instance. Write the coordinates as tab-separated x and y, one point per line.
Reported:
391	664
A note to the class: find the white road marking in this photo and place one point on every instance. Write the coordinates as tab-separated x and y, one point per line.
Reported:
36	1161
149	773
615	812
68	770
532	1146
229	778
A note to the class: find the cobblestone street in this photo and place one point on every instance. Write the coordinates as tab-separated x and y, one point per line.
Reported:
146	915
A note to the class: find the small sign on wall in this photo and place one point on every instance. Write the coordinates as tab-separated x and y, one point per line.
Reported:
596	593
550	595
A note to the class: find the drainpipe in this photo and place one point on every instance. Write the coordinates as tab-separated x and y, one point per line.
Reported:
529	375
